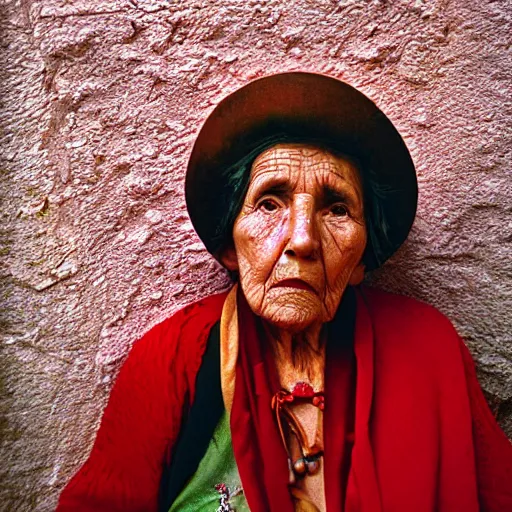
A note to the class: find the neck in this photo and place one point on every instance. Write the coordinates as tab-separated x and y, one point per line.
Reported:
298	355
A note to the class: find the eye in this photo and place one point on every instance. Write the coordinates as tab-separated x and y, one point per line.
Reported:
339	210
269	205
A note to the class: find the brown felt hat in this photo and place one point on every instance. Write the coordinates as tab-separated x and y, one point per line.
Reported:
306	107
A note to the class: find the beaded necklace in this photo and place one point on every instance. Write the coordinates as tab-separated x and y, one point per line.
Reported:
308	461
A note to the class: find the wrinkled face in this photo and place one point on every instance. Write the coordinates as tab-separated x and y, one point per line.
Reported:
300	235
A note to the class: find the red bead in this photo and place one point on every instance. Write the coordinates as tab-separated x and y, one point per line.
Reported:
303	390
221	488
318	401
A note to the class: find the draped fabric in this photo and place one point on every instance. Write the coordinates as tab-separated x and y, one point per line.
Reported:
424	437
258	447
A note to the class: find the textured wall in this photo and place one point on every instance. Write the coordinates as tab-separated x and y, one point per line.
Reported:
100	101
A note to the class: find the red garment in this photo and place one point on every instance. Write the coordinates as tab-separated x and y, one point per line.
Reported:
257	445
425	439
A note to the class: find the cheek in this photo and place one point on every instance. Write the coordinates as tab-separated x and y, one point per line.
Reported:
343	251
258	242
259	237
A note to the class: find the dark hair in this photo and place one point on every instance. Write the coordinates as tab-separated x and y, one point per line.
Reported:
236	181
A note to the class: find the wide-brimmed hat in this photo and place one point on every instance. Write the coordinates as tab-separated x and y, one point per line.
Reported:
305	106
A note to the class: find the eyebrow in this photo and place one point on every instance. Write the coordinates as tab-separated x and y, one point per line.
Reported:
333	195
274	185
281	186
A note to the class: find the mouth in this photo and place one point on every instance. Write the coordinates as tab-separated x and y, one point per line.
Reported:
298	284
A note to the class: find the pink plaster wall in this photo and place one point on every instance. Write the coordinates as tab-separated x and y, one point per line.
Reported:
100	101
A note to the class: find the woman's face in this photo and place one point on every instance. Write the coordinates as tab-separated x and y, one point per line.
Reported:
300	235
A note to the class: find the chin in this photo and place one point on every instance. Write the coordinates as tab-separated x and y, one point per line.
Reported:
291	325
292	312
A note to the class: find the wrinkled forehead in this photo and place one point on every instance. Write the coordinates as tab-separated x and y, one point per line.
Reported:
302	162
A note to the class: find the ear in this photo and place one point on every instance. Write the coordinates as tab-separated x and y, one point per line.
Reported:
228	258
357	275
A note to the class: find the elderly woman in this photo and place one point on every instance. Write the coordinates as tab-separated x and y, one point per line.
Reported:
298	389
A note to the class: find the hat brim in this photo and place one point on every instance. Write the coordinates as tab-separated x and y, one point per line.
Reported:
325	106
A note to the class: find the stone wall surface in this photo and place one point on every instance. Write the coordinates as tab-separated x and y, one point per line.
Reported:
100	102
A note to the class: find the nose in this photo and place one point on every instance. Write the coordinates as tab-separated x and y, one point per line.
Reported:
303	241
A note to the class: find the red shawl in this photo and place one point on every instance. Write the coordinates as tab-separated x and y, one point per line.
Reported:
425	439
257	445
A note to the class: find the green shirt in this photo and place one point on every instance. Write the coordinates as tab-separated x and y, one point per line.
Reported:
217	467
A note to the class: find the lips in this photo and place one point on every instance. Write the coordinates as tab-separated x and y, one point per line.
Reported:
298	284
